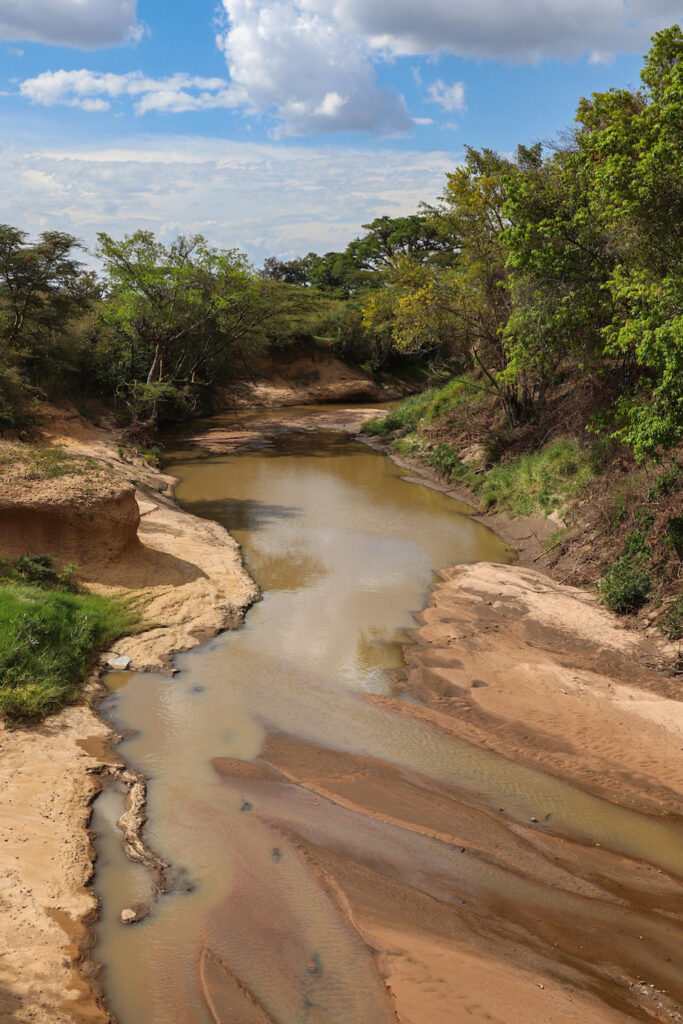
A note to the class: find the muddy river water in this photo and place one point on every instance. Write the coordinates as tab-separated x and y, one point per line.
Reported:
345	550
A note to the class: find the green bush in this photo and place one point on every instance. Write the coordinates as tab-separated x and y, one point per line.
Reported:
49	640
672	623
39	571
627	584
447	462
674	530
409	445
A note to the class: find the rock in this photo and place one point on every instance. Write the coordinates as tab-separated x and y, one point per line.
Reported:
135	913
120	664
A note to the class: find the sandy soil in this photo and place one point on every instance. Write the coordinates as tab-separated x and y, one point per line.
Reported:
471	913
304	378
47	782
188	576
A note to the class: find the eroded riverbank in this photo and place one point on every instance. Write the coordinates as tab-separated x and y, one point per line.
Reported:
467	839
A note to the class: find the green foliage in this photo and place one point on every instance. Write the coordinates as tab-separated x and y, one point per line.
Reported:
39	571
674	529
48	642
446	461
627	584
542	481
410	446
403	417
672	623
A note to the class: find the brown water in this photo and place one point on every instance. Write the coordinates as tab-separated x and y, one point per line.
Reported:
345	551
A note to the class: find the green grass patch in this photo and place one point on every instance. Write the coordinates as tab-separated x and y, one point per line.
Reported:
50	463
49	640
542	481
403	418
410	445
539	482
428	407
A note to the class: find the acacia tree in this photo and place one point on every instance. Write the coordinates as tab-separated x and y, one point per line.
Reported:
187	309
42	287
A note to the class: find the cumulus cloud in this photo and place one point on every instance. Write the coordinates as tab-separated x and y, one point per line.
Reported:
269	199
301	64
450	97
313	63
526	30
94	91
88	24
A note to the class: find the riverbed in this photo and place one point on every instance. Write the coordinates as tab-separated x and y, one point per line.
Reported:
335	851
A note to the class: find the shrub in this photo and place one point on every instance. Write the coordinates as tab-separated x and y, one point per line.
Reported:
446	462
40	571
627	584
674	530
672	623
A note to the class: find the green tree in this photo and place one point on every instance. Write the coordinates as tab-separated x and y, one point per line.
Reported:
42	288
188	310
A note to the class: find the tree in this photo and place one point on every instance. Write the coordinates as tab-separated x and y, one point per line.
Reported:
595	253
42	287
188	309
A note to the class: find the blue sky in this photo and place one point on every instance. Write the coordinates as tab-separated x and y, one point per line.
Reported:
281	127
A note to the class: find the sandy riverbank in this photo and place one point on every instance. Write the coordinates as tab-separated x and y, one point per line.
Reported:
189	576
503	658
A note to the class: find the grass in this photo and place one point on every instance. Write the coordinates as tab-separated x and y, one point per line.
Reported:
403	418
50	463
50	636
47	463
542	481
426	407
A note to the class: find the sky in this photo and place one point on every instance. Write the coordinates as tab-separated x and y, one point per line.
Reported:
282	126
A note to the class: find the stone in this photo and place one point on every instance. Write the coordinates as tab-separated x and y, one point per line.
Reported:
128	916
120	664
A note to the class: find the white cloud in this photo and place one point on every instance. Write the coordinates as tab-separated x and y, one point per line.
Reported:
93	91
300	64
312	63
88	24
450	97
523	30
282	199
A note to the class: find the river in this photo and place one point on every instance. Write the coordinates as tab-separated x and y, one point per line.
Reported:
256	929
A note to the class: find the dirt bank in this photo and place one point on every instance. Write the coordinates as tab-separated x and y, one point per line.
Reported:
115	516
310	377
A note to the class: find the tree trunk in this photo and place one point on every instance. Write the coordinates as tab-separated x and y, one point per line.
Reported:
155	368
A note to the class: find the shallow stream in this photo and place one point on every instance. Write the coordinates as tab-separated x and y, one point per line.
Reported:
345	550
